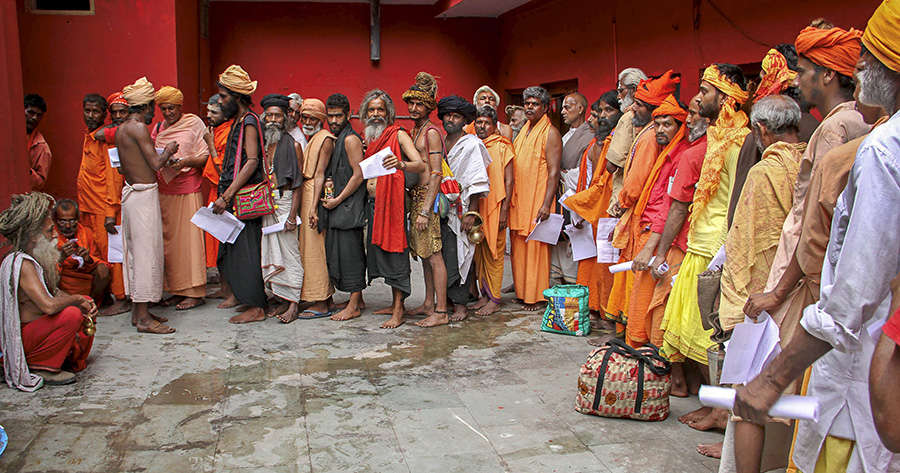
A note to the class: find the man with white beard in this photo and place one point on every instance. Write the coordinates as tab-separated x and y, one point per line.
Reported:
387	250
293	118
281	269
40	327
624	136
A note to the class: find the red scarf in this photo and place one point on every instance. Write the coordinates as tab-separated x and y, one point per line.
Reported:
389	225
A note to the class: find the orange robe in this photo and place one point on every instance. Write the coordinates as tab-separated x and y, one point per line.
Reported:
641	160
490	252
211	181
100	196
591	202
530	260
40	155
316	282
72	278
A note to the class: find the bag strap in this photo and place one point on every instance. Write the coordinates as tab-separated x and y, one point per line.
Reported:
628	350
601	376
240	145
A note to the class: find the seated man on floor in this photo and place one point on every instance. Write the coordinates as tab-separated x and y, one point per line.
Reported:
40	333
83	270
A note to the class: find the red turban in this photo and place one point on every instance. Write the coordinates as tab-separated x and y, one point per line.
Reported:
670	107
654	91
835	48
116	98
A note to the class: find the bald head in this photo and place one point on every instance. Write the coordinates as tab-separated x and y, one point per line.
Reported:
573	109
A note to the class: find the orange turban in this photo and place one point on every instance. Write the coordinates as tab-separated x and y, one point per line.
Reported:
313	107
139	93
116	98
670	107
835	48
882	36
776	75
654	91
169	94
236	79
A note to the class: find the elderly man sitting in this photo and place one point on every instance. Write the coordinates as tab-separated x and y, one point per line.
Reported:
40	331
83	270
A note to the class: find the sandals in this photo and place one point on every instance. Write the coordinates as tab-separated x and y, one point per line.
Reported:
314	315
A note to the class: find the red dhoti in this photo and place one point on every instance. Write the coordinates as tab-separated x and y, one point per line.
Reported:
56	341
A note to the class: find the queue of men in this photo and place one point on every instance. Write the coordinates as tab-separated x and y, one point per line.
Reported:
739	185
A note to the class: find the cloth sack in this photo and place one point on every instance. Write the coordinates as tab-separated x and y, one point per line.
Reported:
567	310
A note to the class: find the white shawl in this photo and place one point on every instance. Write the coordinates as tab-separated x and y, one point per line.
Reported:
469	160
15	368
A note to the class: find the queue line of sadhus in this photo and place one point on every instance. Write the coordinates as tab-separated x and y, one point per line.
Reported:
804	213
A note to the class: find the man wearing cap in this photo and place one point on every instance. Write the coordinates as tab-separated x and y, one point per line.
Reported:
317	286
485	95
118	108
468	160
241	282
180	198
840	331
142	233
281	268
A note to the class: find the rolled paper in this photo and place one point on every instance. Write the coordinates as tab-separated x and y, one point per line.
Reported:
618	268
787	406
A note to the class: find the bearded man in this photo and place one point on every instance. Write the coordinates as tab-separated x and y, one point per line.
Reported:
40	327
516	115
142	232
281	268
425	225
485	95
387	250
317	286
82	269
345	210
218	129
494	211
538	149
293	120
99	190
468	160
623	139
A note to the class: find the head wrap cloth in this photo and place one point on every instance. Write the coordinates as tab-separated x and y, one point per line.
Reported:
655	91
139	93
669	107
169	94
116	99
776	75
424	90
236	79
455	103
313	107
882	36
276	100
835	48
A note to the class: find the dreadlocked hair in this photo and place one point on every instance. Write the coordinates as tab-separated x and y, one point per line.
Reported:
24	217
426	83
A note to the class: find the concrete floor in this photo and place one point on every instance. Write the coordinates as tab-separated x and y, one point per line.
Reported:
490	394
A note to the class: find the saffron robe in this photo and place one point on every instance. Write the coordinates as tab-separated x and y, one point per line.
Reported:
77	277
316	283
211	180
490	252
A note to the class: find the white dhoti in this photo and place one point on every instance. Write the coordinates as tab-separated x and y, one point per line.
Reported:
282	271
142	241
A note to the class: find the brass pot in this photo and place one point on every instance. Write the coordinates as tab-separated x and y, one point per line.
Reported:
89	327
475	234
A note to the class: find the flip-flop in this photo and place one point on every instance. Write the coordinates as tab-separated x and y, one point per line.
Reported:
313	314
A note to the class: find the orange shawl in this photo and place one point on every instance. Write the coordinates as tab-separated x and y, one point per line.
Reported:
531	174
501	151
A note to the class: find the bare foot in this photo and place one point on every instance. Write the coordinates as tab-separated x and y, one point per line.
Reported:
117	307
712	450
481	303
228	303
385	311
189	303
216	295
396	319
253	314
346	314
488	308
679	388
604	325
435	319
460	313
423	309
533	307
241	308
696	415
170	301
158	318
277	309
153	326
343	305
716	420
289	314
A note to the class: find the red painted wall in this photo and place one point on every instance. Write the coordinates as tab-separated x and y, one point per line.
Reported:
578	39
14	164
65	57
316	49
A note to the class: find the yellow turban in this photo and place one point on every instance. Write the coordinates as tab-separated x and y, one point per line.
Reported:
313	107
139	93
236	79
169	94
882	35
712	75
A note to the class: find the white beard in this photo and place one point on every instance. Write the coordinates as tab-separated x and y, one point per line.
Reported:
272	134
311	130
698	130
876	87
626	103
374	130
47	255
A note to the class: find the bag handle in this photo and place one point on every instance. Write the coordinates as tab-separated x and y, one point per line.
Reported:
240	145
623	348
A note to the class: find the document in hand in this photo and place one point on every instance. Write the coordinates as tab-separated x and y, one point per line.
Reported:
373	166
751	348
116	251
787	406
606	253
223	227
583	244
114	157
274	228
548	230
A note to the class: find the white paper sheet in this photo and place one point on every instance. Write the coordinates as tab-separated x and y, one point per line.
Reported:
274	228
373	166
718	260
548	230
606	253
223	227
786	407
751	348
583	244
569	193
114	243
114	157
621	267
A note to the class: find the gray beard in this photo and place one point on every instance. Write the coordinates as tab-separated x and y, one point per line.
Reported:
311	130
697	131
273	134
625	103
877	87
639	121
374	129
47	255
